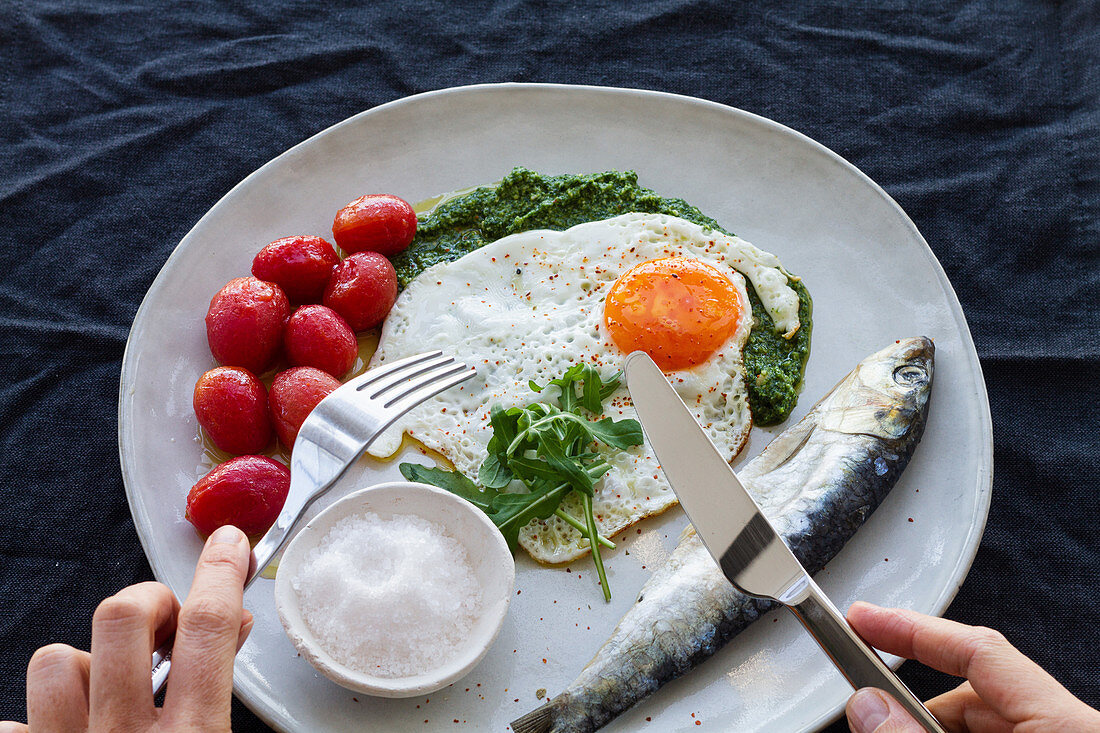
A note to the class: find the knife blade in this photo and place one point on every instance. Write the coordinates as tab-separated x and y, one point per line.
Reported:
747	548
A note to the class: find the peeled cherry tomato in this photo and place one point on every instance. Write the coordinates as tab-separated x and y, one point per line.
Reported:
247	492
231	405
362	289
244	324
377	222
299	265
319	337
294	394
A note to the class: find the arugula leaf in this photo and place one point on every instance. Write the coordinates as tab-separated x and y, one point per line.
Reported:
572	471
590	397
533	469
512	512
622	434
609	386
505	424
452	481
494	472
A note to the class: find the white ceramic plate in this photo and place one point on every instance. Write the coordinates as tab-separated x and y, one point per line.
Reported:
872	277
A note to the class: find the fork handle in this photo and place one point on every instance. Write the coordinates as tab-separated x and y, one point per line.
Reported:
856	659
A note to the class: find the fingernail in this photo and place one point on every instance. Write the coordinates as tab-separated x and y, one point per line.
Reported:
228	534
868	710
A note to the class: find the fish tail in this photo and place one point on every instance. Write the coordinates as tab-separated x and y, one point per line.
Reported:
536	721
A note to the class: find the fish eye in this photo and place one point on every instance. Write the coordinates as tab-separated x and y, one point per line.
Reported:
908	374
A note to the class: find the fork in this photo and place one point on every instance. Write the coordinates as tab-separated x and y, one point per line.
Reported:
332	438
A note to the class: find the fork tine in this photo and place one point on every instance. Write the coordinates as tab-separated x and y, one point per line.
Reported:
423	378
373	375
424	390
413	373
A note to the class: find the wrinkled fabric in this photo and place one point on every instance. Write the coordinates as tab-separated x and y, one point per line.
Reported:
121	123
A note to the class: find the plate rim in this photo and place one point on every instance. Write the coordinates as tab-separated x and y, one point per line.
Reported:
246	690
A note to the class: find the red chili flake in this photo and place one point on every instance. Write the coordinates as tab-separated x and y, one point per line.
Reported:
544	660
910	519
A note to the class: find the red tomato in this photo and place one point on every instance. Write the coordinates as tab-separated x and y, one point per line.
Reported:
362	289
317	336
247	492
244	324
294	394
231	405
299	265
377	222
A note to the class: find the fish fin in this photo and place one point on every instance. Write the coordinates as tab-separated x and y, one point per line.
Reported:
782	449
536	721
685	532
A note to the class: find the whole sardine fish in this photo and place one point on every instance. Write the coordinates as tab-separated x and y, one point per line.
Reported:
817	483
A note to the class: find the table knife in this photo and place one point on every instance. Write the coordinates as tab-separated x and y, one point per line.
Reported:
751	554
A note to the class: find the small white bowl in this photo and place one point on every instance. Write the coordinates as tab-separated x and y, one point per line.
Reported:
485	546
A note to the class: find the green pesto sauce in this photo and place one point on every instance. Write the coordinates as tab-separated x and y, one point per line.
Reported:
526	200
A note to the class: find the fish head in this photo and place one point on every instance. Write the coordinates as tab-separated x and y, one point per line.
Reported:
886	395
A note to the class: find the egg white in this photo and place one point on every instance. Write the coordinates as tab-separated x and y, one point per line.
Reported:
530	305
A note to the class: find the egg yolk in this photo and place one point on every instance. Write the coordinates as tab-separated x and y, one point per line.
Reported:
678	310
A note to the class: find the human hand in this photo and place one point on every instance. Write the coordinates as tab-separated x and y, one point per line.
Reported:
1004	689
110	688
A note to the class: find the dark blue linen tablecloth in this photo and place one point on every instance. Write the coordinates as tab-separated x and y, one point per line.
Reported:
121	123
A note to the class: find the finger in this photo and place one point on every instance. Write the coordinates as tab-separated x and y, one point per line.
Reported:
873	711
10	726
200	684
1008	681
962	709
124	633
247	620
57	689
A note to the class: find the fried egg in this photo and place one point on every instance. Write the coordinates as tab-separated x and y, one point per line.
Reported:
530	305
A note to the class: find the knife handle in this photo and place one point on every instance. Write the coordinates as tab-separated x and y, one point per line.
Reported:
856	659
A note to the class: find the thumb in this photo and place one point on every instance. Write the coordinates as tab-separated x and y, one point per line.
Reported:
874	711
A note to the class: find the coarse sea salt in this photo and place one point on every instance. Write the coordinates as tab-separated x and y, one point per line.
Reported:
389	597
